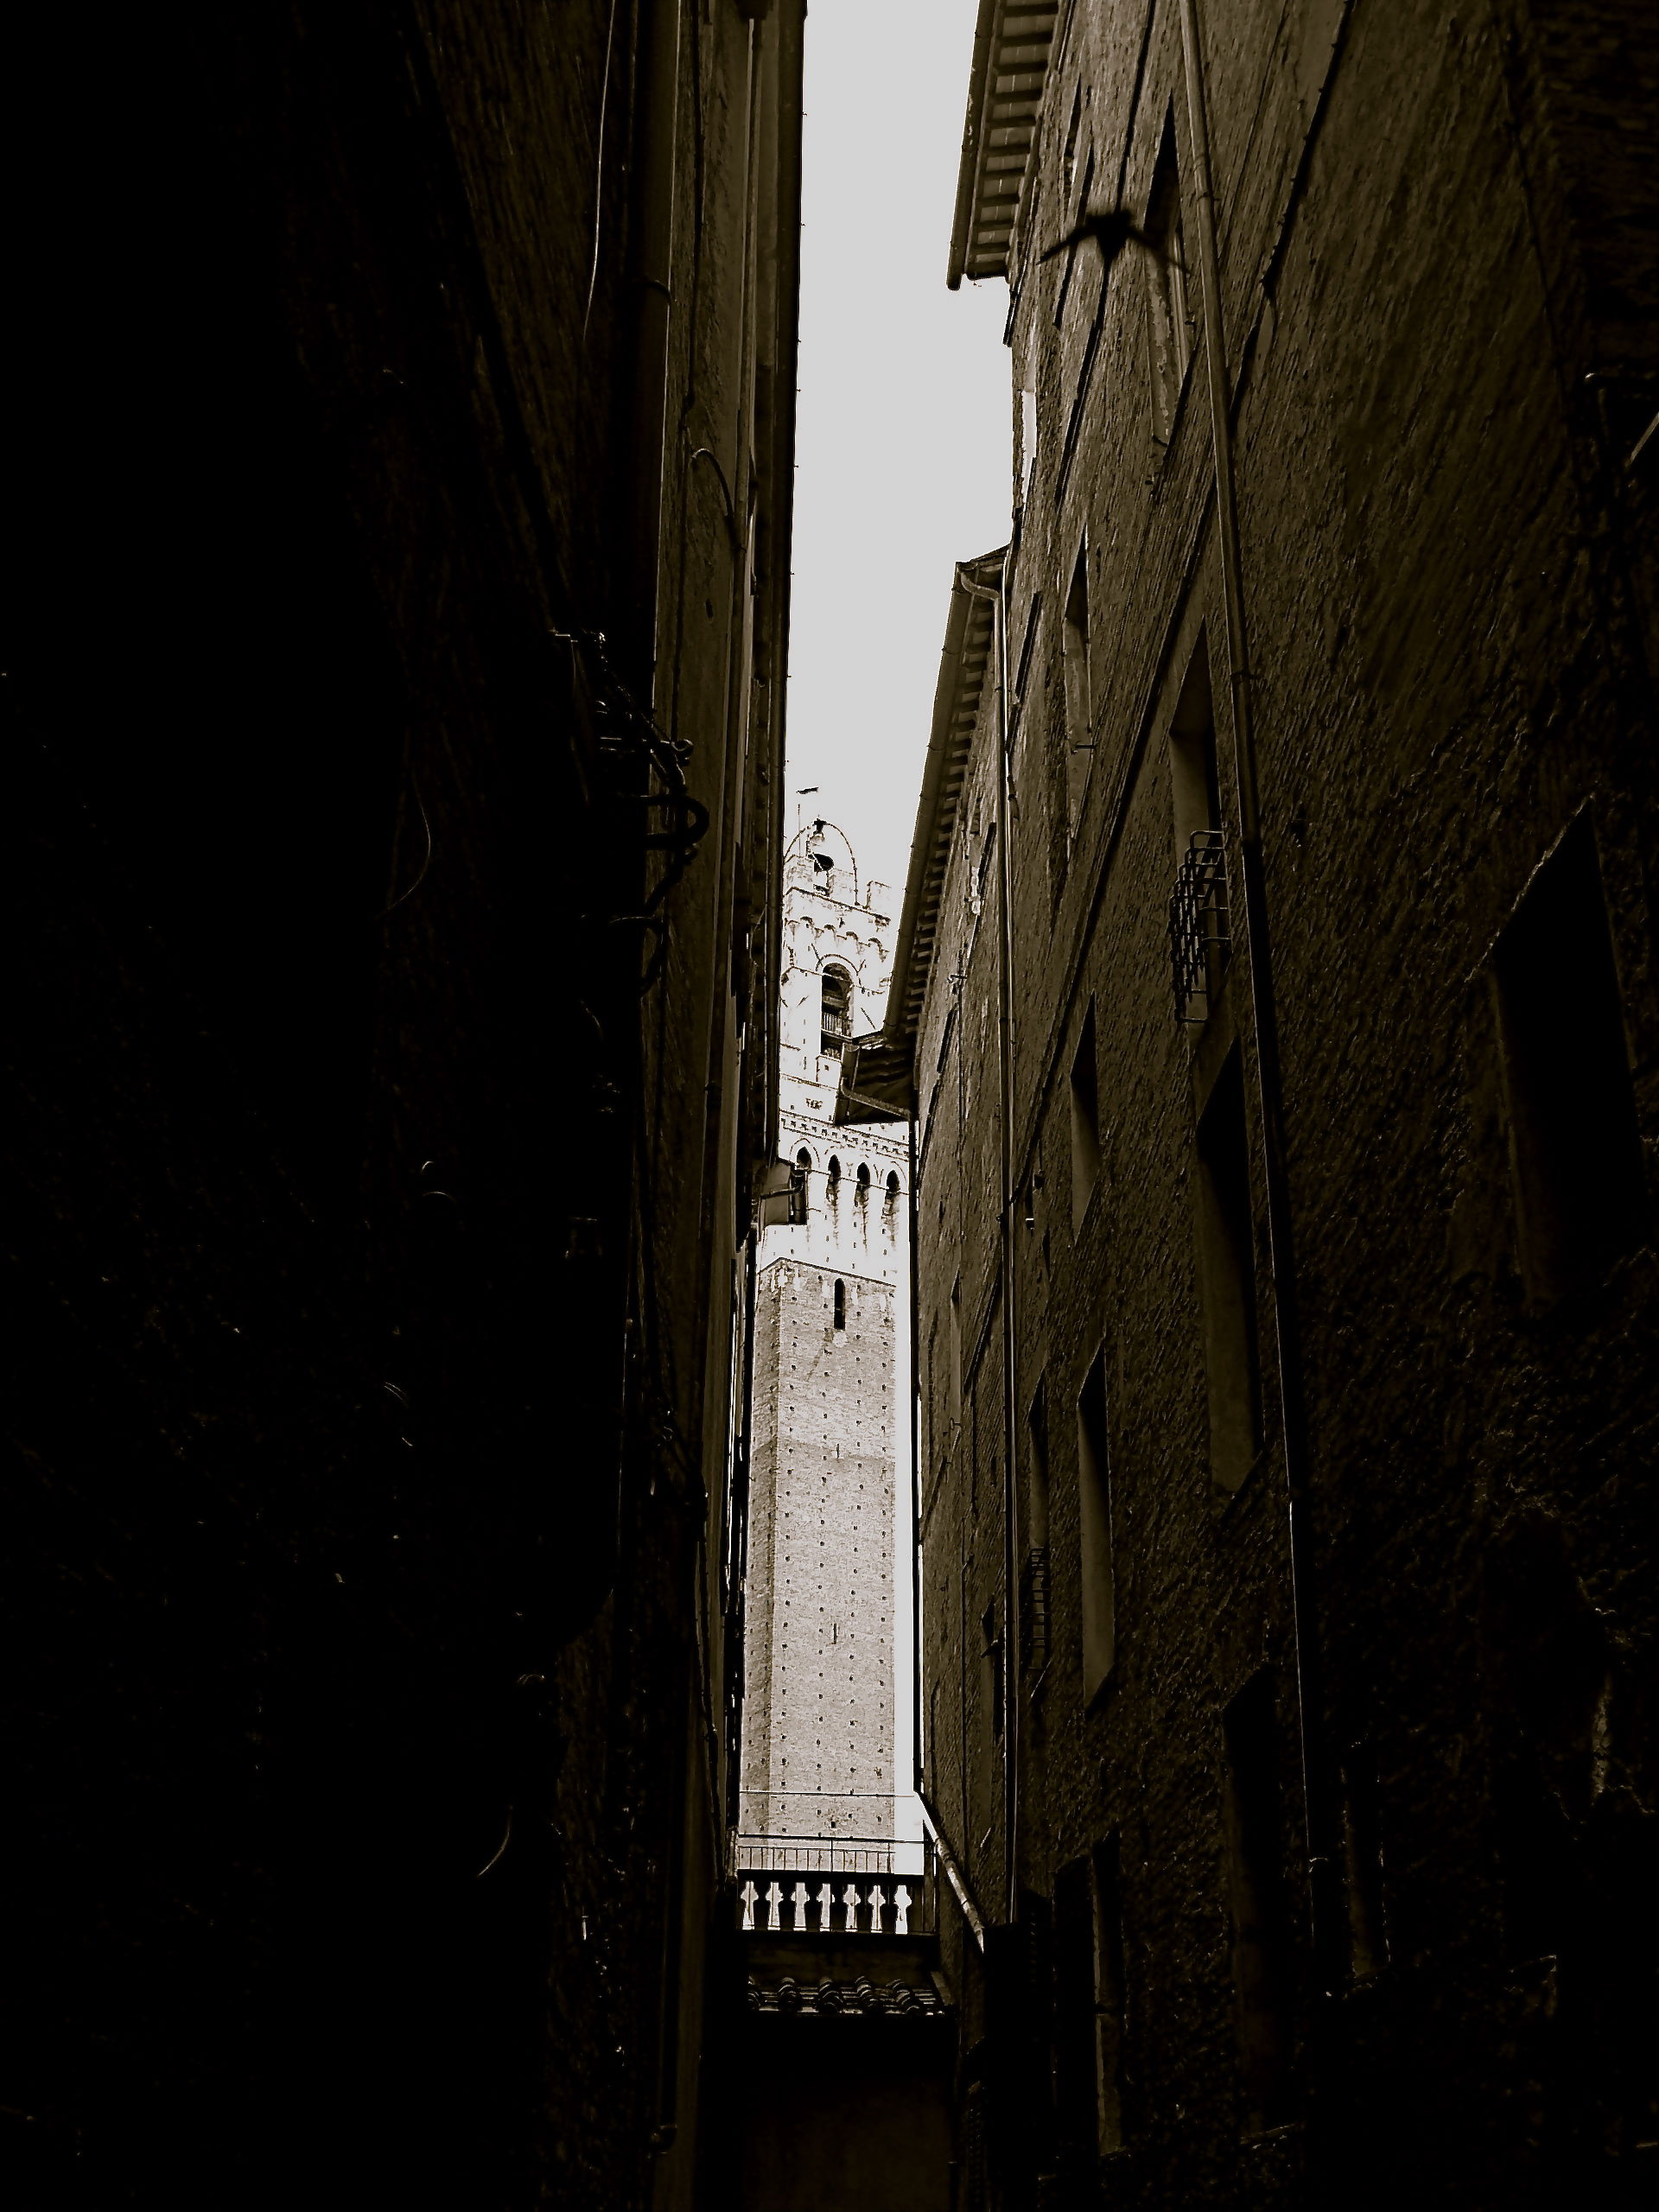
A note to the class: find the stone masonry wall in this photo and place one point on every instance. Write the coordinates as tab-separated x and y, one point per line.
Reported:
1446	677
819	1711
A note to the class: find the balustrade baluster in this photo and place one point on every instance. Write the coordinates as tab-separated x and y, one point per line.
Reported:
747	1894
850	1897
901	1910
774	1899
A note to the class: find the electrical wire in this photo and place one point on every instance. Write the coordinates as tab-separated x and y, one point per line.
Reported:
598	167
426	861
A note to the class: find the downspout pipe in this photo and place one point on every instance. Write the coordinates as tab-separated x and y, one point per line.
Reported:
997	595
918	1775
650	279
1319	1811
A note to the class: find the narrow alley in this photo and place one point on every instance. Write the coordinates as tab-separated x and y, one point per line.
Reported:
705	1519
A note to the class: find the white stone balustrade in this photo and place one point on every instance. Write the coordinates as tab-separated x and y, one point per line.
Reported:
863	1909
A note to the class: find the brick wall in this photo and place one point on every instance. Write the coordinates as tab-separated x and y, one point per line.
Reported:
819	1706
1437	566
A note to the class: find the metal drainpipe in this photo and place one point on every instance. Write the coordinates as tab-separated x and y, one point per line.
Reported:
998	597
651	277
915	1333
1325	1901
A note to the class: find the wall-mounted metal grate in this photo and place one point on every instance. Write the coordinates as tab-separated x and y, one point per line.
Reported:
1033	1608
1199	930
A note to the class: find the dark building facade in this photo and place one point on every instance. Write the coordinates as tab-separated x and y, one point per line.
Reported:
1274	1002
401	492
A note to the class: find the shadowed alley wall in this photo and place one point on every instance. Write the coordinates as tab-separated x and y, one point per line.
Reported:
1287	1515
394	963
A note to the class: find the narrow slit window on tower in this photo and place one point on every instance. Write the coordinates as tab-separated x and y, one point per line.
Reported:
1257	1895
1079	689
1169	334
841	1305
863	1181
1085	1119
1226	1238
832	1174
1575	1152
1096	1560
836	1011
1110	2006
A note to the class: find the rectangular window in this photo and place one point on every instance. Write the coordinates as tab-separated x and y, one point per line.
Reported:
992	1652
1071	201
1073	2028
1362	1852
1022	673
1079	690
1169	334
1085	1119
1194	783
982	875
1069	158
1227	1280
1575	1153
1033	1611
990	1717
1109	2010
1037	1464
935	1431
1094	1533
1256	1893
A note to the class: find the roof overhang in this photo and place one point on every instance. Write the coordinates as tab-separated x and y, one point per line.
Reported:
1011	47
879	1072
875	1081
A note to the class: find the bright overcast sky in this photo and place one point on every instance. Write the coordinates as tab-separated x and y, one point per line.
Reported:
905	429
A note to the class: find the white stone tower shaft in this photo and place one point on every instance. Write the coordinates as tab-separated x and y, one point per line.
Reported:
823	1729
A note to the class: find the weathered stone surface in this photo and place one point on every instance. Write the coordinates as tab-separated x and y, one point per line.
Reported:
1445	587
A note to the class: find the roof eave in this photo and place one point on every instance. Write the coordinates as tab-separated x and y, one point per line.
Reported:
1017	35
935	826
967	171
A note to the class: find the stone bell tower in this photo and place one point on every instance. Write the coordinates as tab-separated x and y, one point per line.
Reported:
822	1731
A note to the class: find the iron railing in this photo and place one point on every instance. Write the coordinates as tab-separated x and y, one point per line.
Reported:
752	1849
1200	935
